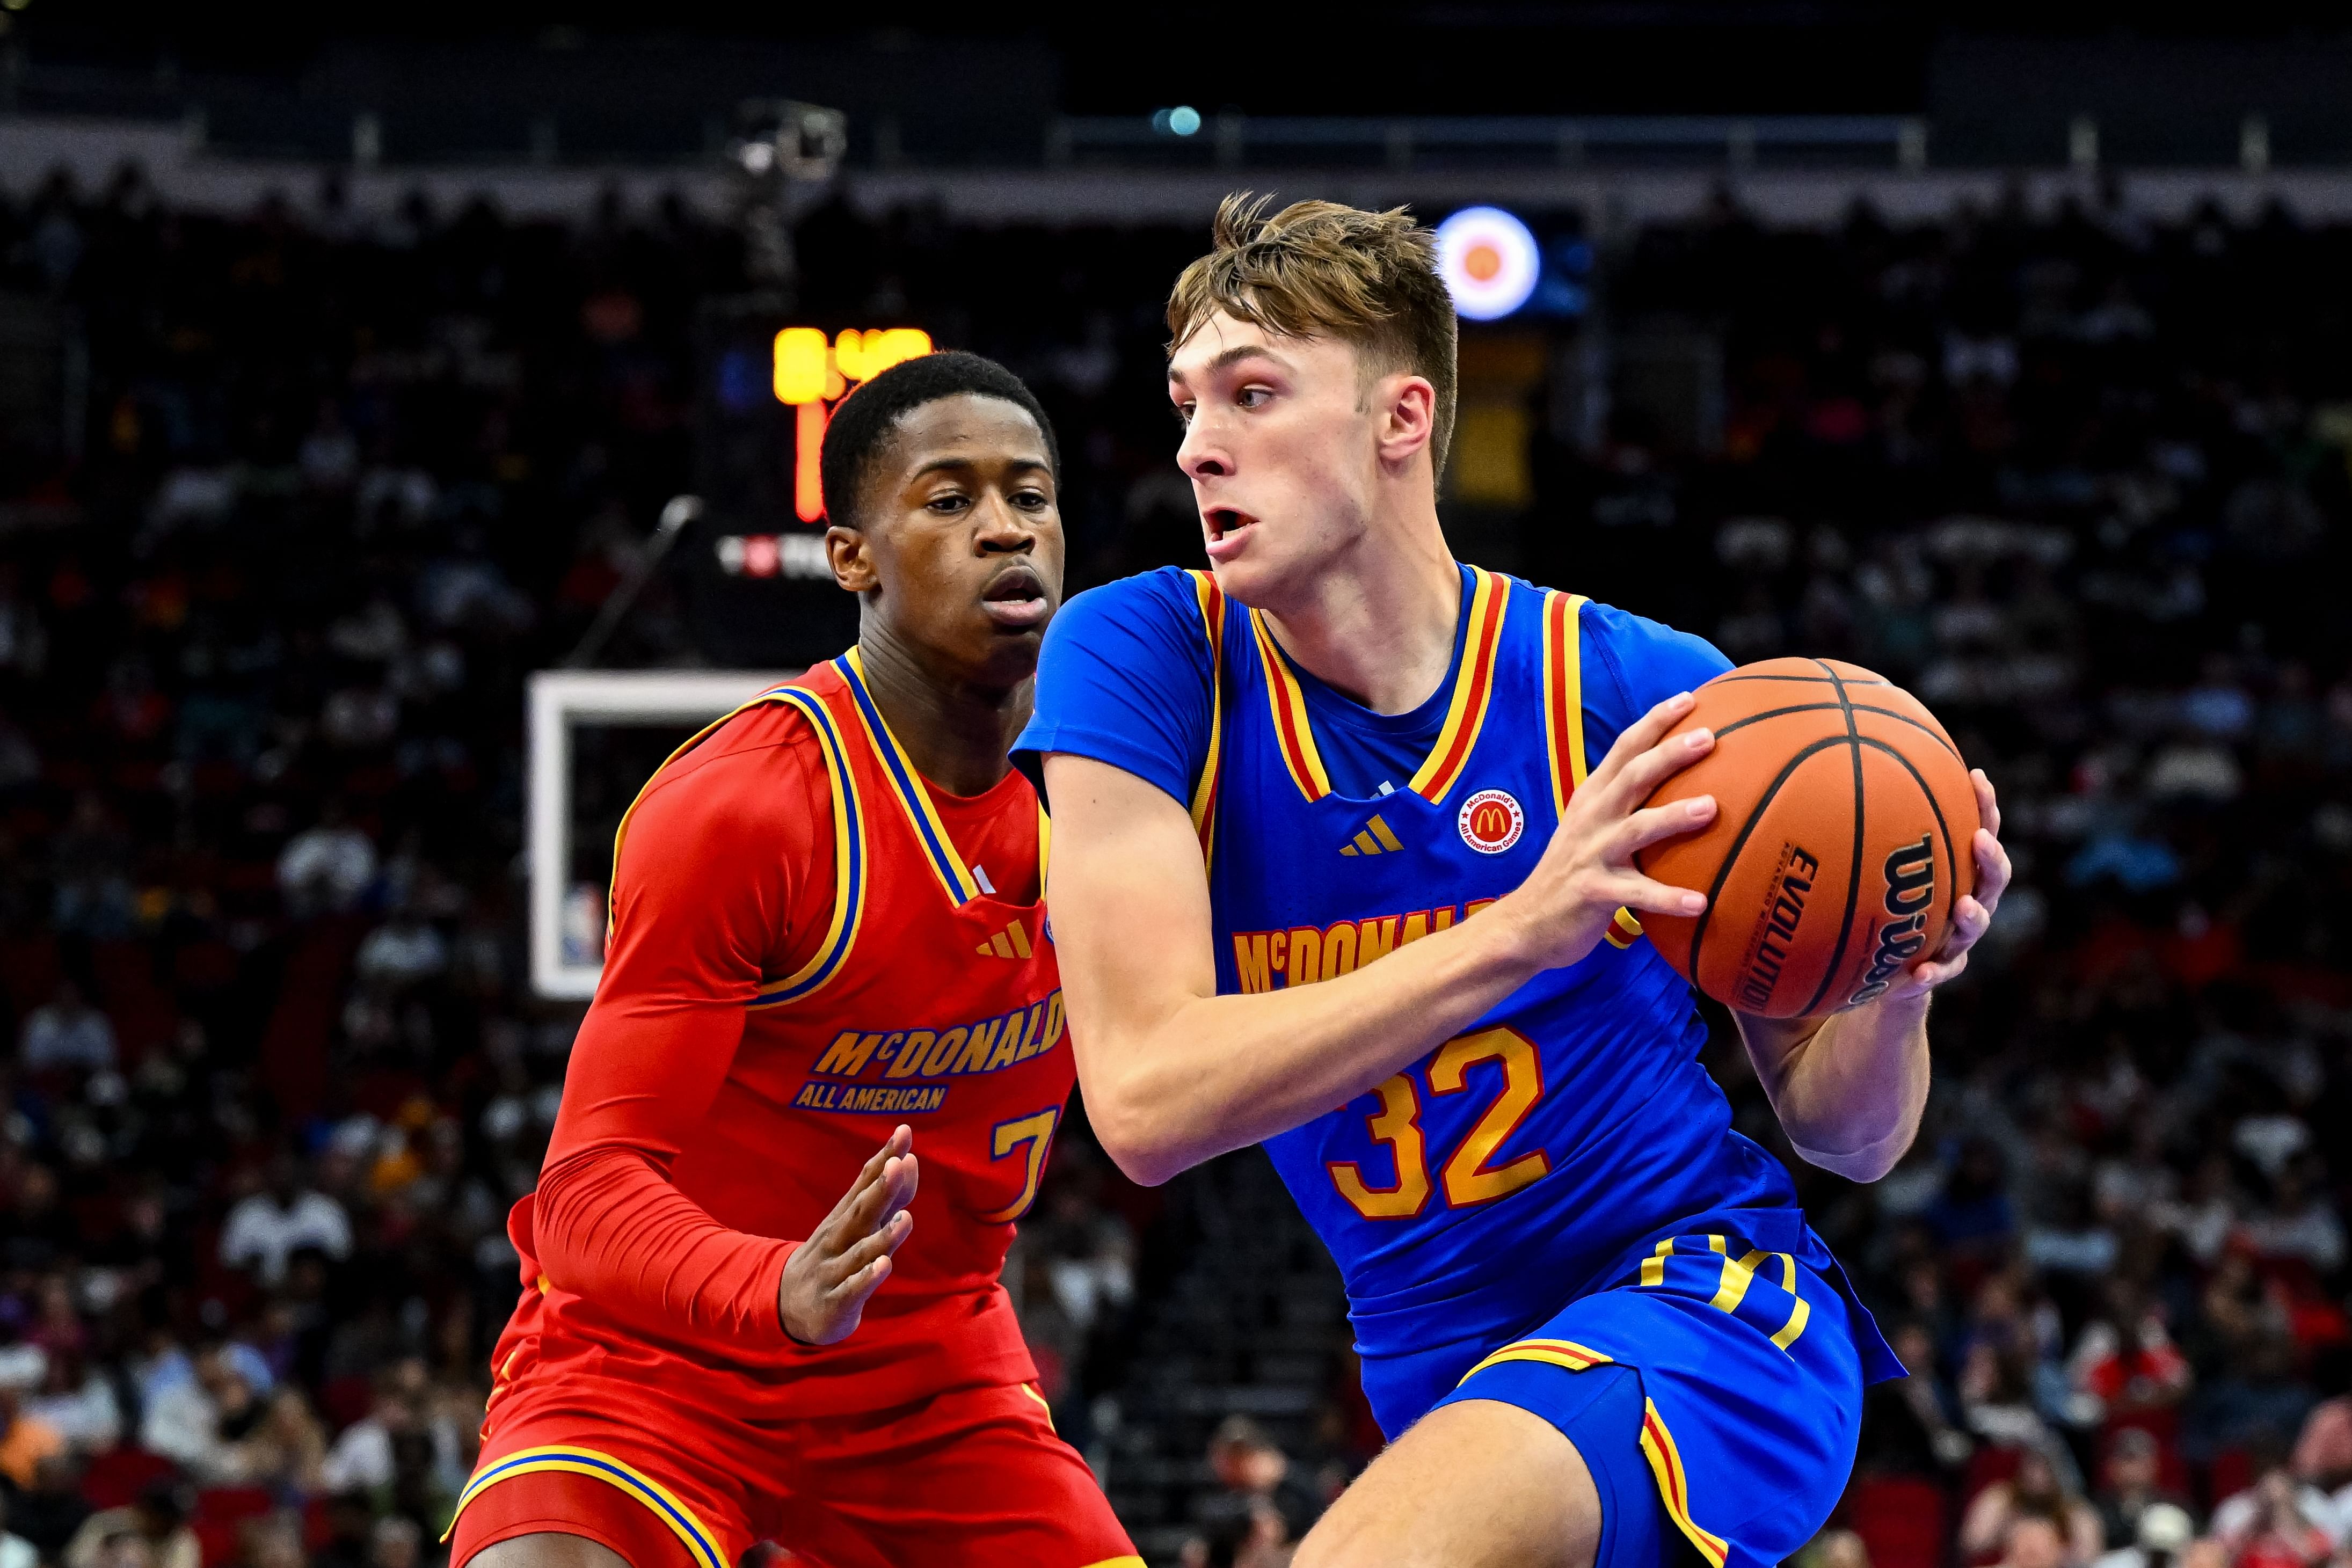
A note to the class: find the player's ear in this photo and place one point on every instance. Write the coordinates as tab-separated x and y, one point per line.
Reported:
852	564
1407	407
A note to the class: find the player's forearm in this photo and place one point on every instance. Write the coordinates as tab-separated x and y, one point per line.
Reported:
1851	1093
610	1228
1200	1075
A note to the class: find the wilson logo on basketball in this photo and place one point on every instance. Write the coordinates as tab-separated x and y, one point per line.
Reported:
1910	893
1492	821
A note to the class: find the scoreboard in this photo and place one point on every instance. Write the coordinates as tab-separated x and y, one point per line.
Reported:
752	567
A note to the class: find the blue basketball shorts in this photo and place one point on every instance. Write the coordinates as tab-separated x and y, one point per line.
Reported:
1715	1397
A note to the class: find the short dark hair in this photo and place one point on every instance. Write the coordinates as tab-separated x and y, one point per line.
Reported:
863	421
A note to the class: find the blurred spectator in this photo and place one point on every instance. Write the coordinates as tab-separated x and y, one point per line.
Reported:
2037	1491
1833	1548
2163	1532
1238	1533
2273	1526
286	1452
15	1551
151	1533
1251	1469
48	1514
2125	1364
2135	1471
195	1420
2033	1540
349	1524
78	1402
2323	1456
90	861
285	1216
396	1543
66	1031
26	1441
327	866
401	951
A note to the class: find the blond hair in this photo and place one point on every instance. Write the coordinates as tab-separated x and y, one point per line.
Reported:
1317	269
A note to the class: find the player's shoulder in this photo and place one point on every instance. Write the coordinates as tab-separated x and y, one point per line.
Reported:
1167	599
1637	643
1630	663
738	779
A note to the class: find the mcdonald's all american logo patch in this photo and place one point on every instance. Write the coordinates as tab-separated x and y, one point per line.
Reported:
1492	821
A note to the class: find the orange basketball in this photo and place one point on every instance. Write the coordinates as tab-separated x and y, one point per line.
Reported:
1840	840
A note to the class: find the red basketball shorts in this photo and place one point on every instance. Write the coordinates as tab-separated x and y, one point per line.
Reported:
974	1476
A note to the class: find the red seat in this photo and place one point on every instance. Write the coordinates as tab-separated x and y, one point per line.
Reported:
343	1400
115	1478
2232	1472
232	1504
29	972
220	1540
1900	1519
318	1525
1988	1464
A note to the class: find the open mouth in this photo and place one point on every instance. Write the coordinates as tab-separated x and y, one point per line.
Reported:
1016	597
1227	527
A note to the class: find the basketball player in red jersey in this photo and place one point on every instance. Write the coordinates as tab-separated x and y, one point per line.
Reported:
819	1081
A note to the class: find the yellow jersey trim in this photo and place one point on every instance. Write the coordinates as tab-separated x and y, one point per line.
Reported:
1563	656
849	878
1293	735
1564	1353
1211	601
1473	689
1674	1485
699	1543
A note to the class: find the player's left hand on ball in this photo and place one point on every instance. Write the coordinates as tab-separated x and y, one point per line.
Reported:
830	1277
1972	915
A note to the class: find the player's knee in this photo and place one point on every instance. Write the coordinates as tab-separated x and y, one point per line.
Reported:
546	1549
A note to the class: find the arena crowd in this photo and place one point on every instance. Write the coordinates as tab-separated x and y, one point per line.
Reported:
333	487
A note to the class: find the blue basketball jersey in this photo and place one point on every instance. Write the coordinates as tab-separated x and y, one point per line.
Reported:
1554	1143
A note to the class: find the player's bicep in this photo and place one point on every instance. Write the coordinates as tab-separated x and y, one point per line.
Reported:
702	886
1130	902
1632	664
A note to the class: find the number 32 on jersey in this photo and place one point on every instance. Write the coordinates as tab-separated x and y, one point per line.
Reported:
1468	1176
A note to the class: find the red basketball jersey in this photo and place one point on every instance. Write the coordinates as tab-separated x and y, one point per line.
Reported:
927	999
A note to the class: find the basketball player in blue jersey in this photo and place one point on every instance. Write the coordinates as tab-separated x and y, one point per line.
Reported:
1344	838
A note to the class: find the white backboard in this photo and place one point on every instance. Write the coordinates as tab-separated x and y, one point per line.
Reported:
567	922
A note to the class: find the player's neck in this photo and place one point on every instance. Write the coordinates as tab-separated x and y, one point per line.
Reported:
958	733
1378	623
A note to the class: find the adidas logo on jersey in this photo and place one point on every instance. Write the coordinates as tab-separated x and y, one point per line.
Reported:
1374	838
1012	942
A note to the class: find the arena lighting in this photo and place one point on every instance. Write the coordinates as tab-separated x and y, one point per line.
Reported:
810	374
1182	120
1489	262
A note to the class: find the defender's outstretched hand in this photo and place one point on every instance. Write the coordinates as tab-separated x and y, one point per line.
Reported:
1587	872
830	1277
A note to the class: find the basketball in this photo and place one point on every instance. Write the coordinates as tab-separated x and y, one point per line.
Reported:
1840	840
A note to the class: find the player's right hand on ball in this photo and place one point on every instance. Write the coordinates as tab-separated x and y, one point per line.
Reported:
830	1277
1587	872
